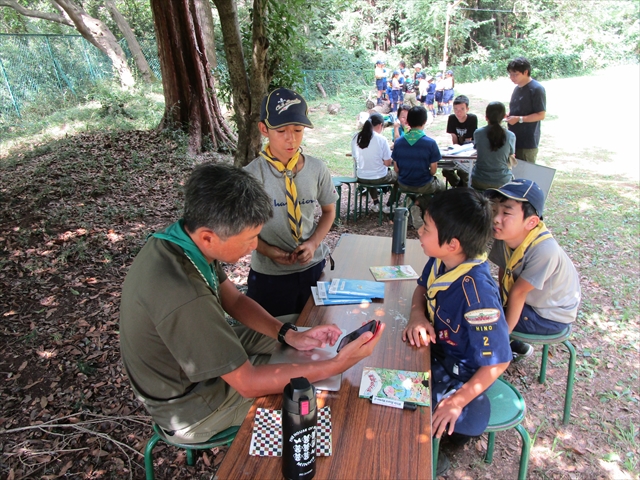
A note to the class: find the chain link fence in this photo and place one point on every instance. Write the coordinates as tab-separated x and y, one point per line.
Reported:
53	69
336	82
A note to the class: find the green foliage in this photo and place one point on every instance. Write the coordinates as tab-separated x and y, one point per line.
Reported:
543	67
333	58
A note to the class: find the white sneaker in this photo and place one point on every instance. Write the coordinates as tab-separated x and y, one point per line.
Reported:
375	208
386	209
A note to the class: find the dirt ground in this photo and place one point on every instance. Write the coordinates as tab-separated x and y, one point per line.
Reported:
74	213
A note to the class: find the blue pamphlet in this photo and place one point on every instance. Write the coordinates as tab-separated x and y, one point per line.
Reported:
357	288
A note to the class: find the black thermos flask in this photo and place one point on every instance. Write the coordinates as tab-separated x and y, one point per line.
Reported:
400	218
299	419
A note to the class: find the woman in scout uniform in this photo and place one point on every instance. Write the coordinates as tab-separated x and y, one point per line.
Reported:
291	254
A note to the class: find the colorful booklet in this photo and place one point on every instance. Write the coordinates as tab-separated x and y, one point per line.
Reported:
337	300
395	387
393	272
358	288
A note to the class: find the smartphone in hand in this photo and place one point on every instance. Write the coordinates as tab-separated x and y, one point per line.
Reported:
373	326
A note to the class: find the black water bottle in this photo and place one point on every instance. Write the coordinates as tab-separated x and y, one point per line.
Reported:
299	419
400	219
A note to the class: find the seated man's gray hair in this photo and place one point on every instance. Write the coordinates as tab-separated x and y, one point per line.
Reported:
225	199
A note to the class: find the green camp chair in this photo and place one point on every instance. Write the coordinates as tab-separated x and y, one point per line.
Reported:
507	411
361	192
337	183
223	438
546	340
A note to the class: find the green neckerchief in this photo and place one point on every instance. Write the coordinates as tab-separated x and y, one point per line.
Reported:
413	135
175	233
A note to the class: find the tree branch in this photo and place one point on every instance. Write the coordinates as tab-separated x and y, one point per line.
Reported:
27	12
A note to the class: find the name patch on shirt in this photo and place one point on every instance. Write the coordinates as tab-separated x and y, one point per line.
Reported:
483	316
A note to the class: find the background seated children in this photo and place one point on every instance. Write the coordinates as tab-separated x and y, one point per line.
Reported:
372	155
291	253
401	125
456	306
496	147
416	161
461	125
194	373
539	283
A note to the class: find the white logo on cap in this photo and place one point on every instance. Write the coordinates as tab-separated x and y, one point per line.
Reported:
285	104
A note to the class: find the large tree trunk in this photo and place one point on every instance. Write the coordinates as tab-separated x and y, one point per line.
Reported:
247	91
134	46
205	17
99	35
189	91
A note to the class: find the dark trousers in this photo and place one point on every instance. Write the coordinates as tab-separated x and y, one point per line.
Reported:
283	294
531	322
475	415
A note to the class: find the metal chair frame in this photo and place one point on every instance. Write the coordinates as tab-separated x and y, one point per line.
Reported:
223	438
546	341
501	395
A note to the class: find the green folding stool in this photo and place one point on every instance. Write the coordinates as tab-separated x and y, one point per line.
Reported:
223	438
546	340
507	411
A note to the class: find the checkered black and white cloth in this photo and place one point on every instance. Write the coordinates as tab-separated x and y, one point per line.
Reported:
266	440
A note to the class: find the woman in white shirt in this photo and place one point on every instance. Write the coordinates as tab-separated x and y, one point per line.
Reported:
373	157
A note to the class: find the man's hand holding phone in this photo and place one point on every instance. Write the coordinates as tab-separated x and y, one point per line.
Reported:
371	326
360	346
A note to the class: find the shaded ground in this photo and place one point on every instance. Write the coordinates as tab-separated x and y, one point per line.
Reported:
74	213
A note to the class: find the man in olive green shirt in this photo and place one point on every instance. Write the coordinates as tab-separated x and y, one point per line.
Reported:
195	374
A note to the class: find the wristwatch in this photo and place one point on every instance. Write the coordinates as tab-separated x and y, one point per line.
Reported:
521	119
283	331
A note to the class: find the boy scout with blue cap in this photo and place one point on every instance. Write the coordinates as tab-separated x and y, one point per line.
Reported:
456	306
291	254
539	284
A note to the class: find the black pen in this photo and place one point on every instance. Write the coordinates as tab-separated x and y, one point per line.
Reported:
405	405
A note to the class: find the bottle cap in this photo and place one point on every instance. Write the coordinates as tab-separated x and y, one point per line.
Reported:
299	397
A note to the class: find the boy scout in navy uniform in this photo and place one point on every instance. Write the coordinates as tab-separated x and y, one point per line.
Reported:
456	306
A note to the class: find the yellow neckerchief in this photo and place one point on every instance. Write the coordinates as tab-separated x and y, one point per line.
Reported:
293	207
437	283
513	258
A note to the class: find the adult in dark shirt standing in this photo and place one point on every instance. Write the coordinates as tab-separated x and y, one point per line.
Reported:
527	109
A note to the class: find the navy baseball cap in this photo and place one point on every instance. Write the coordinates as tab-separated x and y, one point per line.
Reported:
284	107
449	72
523	190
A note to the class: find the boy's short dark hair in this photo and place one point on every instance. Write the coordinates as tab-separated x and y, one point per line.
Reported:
417	117
460	99
465	214
527	209
520	64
